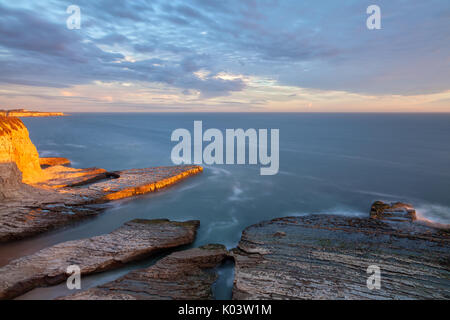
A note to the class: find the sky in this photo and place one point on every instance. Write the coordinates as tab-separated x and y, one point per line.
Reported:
225	56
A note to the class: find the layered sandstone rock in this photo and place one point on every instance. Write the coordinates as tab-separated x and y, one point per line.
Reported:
34	200
396	211
16	147
137	239
10	180
48	206
327	257
53	161
181	275
57	177
134	182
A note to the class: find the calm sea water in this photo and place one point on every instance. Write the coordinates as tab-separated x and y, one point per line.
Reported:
329	163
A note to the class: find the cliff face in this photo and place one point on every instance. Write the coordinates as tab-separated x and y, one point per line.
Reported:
17	152
10	180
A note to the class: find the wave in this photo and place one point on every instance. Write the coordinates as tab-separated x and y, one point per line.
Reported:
435	214
293	174
237	191
78	146
218	171
379	194
338	211
48	153
188	187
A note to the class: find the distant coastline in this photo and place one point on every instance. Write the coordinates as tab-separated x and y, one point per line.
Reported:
27	113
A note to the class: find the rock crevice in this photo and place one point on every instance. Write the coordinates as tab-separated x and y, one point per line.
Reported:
135	240
182	275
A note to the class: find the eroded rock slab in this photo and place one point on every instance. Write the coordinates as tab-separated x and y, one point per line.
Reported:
179	276
35	210
62	177
135	240
327	257
34	200
129	183
396	211
53	161
26	218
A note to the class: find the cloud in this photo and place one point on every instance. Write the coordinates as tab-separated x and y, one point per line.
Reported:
51	55
306	44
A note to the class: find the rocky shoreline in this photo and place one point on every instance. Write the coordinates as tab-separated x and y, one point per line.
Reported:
41	194
307	257
137	239
303	257
327	257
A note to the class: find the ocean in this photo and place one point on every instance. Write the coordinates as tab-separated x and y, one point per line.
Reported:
329	164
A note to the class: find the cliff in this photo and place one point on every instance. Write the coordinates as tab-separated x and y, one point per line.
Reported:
27	113
16	149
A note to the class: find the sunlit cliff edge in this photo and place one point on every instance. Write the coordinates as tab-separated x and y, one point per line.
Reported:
20	113
17	150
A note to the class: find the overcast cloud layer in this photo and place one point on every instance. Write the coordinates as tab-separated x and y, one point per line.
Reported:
188	45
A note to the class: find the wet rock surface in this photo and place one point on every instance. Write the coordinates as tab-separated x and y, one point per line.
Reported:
327	257
135	240
181	275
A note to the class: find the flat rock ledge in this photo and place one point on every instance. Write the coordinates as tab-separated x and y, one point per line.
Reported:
327	257
135	240
78	195
182	275
53	161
